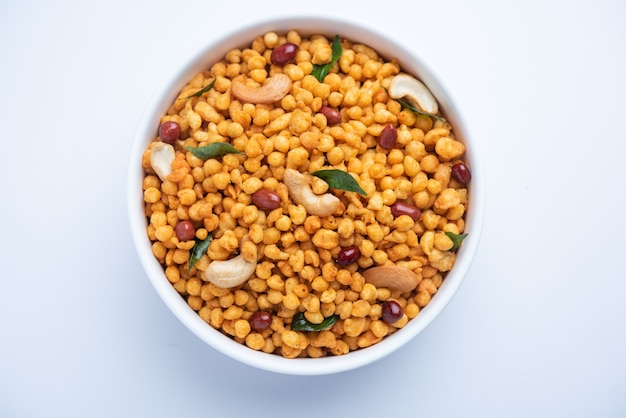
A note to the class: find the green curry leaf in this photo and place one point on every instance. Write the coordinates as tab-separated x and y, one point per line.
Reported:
405	104
320	71
199	249
300	323
457	239
214	150
338	179
201	92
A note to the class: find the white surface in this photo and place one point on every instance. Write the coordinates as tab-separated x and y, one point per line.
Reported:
537	329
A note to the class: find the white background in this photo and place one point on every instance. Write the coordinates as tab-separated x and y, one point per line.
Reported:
538	329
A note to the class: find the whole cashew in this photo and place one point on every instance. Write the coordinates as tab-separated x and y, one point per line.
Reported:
272	91
230	273
299	187
392	277
413	90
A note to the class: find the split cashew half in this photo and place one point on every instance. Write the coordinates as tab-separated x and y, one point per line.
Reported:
230	273
299	186
414	91
161	157
272	91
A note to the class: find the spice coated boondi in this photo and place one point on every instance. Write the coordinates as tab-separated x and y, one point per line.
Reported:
305	196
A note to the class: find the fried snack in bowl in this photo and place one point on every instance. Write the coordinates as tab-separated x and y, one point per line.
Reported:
304	195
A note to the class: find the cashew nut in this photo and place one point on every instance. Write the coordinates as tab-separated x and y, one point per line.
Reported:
392	277
414	91
299	187
272	91
161	157
230	273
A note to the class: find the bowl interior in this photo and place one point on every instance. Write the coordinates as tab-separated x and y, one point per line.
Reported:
214	51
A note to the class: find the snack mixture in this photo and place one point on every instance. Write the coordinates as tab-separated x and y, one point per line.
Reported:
305	196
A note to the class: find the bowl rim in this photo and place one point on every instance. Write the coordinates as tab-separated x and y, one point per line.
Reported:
308	24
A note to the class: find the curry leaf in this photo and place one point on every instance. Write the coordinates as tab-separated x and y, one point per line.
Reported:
201	92
199	249
456	239
405	104
338	179
320	71
300	323
214	150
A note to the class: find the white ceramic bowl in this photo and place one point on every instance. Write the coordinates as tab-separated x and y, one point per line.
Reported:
214	50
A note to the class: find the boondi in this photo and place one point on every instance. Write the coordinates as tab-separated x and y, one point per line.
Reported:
305	195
